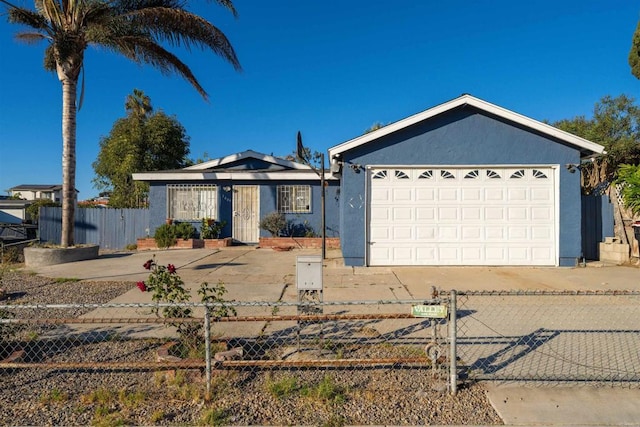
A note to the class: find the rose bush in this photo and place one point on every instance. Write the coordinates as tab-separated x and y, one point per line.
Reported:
166	286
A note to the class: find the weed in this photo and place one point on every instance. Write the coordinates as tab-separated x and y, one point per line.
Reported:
327	391
103	417
131	247
157	416
101	396
131	399
283	388
214	417
53	396
334	421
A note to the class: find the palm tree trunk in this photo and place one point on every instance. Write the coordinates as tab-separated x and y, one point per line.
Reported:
69	87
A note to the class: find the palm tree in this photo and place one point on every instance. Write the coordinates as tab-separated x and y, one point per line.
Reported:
137	29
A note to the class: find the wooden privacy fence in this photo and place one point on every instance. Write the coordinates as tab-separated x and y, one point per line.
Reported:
109	228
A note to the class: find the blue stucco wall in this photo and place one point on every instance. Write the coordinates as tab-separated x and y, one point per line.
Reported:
268	204
460	137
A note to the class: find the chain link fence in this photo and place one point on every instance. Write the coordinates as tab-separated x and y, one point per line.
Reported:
369	337
538	337
550	337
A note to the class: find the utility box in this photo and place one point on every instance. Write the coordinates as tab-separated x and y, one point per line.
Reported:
309	273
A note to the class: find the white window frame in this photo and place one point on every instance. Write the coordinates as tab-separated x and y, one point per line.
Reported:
192	201
294	198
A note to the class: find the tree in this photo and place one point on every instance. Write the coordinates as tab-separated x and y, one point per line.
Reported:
616	126
634	53
134	29
141	141
629	175
374	127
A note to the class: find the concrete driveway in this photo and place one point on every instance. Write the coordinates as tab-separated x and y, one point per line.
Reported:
253	268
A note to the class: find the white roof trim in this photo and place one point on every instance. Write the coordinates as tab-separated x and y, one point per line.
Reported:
246	155
234	176
475	102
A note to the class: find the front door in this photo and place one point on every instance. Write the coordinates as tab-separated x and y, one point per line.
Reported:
246	213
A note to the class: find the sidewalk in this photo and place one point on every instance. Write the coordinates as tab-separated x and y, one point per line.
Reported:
252	274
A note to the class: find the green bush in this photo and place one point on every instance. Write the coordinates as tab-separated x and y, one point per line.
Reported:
165	236
629	176
274	223
184	230
211	229
33	210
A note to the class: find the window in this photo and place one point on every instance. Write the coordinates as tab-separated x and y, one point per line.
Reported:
472	174
426	175
401	175
187	202
380	175
294	198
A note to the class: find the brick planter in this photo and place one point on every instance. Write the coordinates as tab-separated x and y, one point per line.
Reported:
218	243
149	243
299	242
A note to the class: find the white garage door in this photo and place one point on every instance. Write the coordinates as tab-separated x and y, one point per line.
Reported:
462	216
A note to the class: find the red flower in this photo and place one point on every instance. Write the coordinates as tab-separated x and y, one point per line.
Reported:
171	268
141	286
147	265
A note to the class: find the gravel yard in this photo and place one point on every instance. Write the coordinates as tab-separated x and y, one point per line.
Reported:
280	397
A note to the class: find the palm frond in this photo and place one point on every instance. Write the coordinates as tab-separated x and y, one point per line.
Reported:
18	15
182	28
30	38
145	50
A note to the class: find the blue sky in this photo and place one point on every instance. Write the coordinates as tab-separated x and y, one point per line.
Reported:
329	69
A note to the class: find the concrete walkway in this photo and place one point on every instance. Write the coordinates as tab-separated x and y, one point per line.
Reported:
252	274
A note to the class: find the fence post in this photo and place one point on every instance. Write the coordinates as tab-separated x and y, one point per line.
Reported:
207	348
453	368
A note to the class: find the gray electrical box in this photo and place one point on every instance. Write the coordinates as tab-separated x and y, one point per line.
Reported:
309	273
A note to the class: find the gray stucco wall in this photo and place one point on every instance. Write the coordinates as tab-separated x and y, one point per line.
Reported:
460	137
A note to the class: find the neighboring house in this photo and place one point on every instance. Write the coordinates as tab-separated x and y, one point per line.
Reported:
241	189
13	211
34	192
464	183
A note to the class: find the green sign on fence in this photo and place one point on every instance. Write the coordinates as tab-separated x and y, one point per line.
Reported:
430	311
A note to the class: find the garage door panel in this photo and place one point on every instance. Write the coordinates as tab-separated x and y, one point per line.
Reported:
541	214
472	233
425	214
380	214
380	194
380	233
518	213
425	194
455	216
494	194
471	213
447	233
448	214
402	233
517	232
402	195
518	194
471	194
494	214
402	213
424	233
448	194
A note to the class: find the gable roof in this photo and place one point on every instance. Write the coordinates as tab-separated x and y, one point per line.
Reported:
225	168
36	187
585	146
245	155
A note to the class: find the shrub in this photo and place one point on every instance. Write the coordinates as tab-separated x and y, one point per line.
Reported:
167	286
33	210
165	236
629	176
274	223
184	230
211	229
